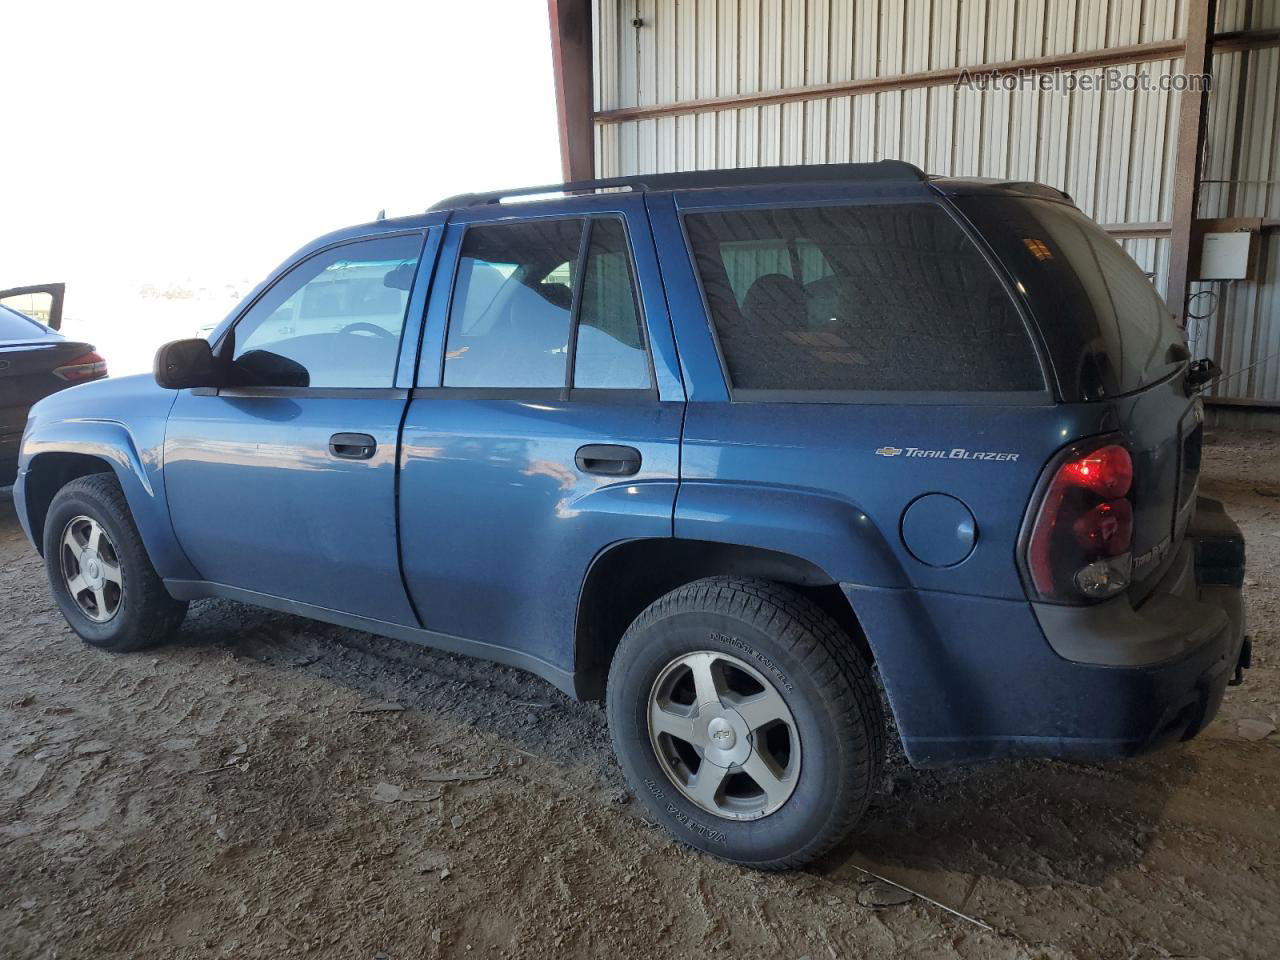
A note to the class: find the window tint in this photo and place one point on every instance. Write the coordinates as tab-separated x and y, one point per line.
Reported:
1107	330
338	314
15	326
883	297
610	346
512	305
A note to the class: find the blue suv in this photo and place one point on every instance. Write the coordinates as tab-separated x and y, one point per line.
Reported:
748	453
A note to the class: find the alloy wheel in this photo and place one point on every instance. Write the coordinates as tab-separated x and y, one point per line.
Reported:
91	569
723	735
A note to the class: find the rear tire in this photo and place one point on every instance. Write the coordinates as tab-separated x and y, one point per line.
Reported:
99	571
746	721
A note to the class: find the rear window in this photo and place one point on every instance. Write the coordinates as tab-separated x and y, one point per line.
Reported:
1107	330
885	297
15	326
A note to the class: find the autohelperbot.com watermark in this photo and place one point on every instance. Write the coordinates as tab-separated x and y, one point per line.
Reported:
1067	82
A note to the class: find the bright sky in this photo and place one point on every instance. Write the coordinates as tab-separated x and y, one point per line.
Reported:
197	145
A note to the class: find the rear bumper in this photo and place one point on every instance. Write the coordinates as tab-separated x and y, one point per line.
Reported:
989	679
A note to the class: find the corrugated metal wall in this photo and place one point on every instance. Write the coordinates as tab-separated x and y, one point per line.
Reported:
1241	178
1112	151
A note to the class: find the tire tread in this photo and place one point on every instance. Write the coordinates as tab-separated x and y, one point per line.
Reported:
823	649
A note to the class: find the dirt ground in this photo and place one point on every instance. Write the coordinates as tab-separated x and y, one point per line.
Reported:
247	792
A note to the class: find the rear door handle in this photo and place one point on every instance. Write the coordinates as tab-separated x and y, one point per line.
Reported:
352	446
608	460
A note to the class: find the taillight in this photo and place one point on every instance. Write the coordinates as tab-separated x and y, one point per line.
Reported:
87	366
1079	543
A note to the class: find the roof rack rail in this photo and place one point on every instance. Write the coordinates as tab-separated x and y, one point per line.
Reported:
881	170
572	186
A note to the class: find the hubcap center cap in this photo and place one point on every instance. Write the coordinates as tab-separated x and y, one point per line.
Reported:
721	733
93	568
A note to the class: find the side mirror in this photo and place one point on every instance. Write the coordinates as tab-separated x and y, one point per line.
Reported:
262	368
186	363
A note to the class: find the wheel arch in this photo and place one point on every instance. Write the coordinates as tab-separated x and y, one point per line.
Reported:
47	473
55	454
626	577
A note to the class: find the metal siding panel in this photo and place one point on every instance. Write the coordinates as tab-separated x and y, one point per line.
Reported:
840	27
749	137
994	156
944	32
968	121
864	129
628	71
1113	153
647	41
1231	15
839	130
1219	134
888	107
1258	195
1060	21
1082	145
607	162
605	41
866	48
749	54
1245	331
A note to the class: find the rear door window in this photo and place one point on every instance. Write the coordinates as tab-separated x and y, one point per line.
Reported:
610	351
512	305
1107	330
884	297
520	308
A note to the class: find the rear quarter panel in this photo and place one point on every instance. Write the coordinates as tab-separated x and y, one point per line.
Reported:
806	479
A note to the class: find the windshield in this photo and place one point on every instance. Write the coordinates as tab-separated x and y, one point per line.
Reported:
17	326
1107	330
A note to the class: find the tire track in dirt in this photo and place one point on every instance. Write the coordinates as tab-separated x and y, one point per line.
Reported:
129	848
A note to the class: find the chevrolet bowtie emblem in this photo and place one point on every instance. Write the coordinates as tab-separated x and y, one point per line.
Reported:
888	451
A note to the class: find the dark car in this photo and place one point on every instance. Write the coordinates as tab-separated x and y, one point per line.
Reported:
729	449
35	361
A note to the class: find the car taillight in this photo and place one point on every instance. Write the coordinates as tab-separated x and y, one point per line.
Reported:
87	366
1079	544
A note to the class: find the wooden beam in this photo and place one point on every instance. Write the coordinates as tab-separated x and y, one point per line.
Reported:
1157	228
1234	40
571	58
1193	111
1090	59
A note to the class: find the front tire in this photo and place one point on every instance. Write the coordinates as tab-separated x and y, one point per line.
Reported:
746	721
99	571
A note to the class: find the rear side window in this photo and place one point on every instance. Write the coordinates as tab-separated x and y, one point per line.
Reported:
885	297
1107	330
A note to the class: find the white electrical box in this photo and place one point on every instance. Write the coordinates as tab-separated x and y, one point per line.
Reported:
1226	256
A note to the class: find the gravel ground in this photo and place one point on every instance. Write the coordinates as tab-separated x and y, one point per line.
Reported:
268	786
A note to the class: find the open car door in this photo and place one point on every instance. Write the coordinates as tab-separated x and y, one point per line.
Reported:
42	302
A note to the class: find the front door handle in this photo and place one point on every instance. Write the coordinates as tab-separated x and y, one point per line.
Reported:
608	460
352	446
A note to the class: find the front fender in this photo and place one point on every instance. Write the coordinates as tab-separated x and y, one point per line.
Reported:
134	453
833	534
